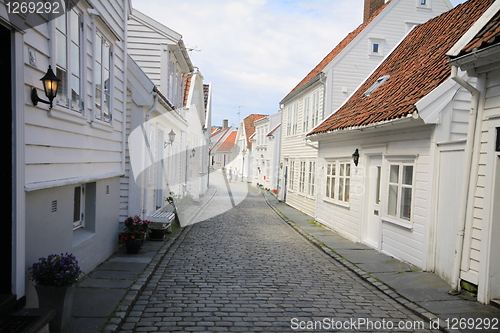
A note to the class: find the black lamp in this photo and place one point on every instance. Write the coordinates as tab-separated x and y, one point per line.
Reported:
50	85
171	136
355	157
193	152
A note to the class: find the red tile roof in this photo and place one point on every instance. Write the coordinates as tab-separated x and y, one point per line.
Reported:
250	126
228	144
416	67
489	35
333	53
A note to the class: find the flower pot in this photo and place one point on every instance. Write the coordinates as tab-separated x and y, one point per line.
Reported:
133	245
157	233
59	299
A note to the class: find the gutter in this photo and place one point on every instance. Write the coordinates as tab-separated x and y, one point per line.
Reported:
466	188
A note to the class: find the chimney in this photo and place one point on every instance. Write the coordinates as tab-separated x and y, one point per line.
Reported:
371	6
225	123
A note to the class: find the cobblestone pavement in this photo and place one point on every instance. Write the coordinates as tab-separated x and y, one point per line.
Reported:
246	271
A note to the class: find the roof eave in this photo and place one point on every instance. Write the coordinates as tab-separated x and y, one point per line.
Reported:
301	89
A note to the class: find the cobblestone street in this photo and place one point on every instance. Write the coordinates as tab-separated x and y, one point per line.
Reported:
246	271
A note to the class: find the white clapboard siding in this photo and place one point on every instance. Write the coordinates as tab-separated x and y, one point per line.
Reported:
346	72
59	149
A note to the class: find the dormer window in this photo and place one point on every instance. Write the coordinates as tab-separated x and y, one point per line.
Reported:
423	2
377	84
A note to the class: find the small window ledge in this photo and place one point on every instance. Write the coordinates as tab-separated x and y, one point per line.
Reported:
58	112
403	224
102	125
80	235
338	203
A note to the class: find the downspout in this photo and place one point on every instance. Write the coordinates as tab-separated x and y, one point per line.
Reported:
147	152
466	188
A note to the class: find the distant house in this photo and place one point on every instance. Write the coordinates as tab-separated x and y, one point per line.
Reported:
266	147
67	159
170	117
333	80
221	136
478	261
243	150
408	123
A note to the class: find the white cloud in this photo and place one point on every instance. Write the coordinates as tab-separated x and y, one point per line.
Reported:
255	51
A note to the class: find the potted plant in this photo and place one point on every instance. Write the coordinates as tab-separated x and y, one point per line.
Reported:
55	277
134	233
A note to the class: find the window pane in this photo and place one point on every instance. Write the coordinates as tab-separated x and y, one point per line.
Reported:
394	174
347	186
76	205
61	50
75	92
341	189
63	85
334	166
408	174
348	169
393	200
75	27
328	169
377	193
341	166
332	189
328	180
406	203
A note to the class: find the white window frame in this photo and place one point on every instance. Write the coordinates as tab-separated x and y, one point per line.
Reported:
311	178
78	206
291	175
306	113
315	109
67	67
302	176
380	45
338	173
426	5
295	117
397	218
105	89
289	121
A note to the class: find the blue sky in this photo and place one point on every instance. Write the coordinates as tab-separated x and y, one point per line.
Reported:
255	51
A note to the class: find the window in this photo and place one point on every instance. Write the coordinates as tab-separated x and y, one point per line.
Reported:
78	206
305	125
424	4
68	41
289	121
311	178
302	176
338	181
102	77
291	183
376	46
315	109
400	191
295	117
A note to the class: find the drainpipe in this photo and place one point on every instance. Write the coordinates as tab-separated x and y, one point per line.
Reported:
466	188
148	151
321	79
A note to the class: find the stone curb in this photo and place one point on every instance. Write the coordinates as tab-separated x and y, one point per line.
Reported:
413	307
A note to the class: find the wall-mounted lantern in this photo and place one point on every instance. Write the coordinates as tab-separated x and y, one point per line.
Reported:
193	152
171	138
50	85
355	157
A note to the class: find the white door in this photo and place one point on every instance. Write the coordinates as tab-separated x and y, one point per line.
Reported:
372	229
450	181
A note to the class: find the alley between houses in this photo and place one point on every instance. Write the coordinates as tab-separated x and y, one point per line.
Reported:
245	270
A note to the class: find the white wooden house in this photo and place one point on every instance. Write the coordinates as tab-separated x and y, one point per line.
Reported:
478	259
170	114
408	122
242	161
334	79
266	151
68	159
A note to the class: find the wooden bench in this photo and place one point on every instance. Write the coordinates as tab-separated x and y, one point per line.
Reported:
162	218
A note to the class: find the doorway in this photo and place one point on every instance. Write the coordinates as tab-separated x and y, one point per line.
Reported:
7	174
372	229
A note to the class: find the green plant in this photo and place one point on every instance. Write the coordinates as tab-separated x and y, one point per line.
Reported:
57	270
135	228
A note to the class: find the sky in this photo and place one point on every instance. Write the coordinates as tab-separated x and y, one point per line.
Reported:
254	52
